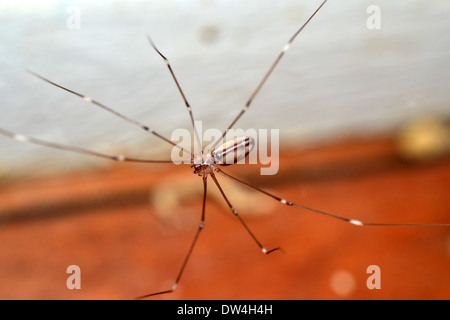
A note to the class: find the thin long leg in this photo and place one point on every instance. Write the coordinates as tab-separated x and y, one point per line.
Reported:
267	75
191	115
263	249
23	138
183	266
86	98
351	221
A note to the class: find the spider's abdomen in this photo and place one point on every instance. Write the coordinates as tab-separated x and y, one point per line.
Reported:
233	151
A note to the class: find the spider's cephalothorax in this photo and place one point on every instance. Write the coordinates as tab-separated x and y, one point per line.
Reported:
229	153
204	164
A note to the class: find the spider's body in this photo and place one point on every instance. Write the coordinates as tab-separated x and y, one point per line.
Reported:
231	152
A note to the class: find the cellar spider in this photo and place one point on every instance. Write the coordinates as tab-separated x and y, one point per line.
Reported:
207	162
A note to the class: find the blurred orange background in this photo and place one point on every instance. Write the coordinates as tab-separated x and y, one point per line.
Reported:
129	227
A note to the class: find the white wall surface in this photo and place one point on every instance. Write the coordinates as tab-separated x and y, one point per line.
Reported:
339	77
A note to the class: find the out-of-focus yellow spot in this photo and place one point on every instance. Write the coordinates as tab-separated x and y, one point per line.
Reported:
424	139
